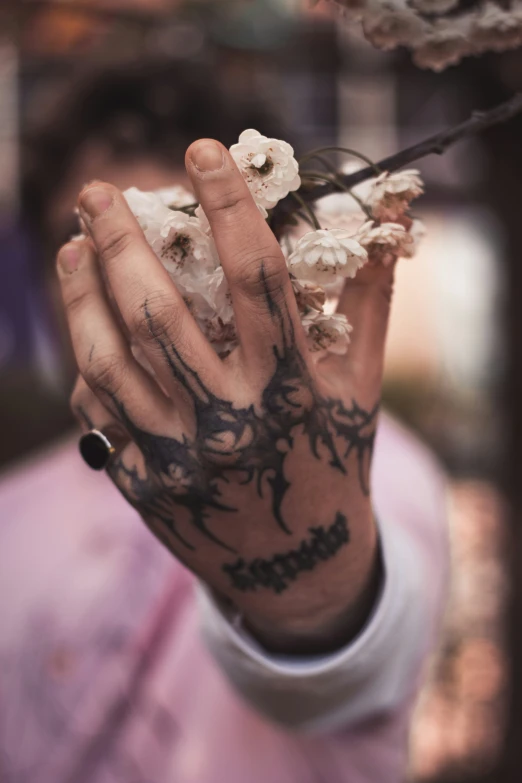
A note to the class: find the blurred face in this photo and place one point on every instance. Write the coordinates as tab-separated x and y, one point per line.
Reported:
96	161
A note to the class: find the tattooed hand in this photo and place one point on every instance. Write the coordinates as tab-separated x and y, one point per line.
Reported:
253	470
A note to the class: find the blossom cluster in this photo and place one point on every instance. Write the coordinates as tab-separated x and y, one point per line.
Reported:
180	235
439	32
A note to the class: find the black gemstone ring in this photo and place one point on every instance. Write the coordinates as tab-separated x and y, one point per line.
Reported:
96	449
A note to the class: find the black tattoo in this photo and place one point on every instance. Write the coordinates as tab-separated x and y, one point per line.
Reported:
280	570
184	479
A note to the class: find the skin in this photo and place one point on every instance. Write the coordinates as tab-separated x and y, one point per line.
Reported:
253	470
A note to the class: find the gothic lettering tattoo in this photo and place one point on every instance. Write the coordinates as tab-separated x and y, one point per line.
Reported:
277	572
185	478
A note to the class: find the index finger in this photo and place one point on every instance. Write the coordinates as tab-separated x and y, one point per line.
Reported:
263	300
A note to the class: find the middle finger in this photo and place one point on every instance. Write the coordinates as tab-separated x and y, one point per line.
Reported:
264	304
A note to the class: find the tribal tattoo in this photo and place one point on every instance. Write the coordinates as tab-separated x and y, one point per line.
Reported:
277	572
249	444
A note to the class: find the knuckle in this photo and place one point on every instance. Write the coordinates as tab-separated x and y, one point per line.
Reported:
261	275
227	204
106	373
75	299
115	243
160	316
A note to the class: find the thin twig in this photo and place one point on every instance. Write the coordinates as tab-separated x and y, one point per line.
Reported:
435	145
336	179
304	217
308	209
346	151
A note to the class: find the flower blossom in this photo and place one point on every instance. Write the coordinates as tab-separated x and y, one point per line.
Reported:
207	294
176	197
416	233
391	194
385	242
308	295
434	6
340	210
387	25
268	166
497	28
321	255
438	32
326	333
353	9
317	261
148	209
188	253
446	43
182	245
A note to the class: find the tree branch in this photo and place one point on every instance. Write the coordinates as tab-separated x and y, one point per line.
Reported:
435	145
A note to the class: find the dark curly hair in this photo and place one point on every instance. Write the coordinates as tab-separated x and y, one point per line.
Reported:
154	108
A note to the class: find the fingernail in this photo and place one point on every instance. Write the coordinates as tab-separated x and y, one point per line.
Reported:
69	257
207	156
96	201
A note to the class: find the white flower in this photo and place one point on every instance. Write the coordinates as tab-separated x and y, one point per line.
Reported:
498	29
434	6
340	210
416	233
207	294
386	25
182	245
320	256
176	197
147	207
268	166
384	242
308	296
208	299
326	333
353	9
392	193
446	43
439	32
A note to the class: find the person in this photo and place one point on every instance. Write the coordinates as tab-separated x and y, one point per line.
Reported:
280	632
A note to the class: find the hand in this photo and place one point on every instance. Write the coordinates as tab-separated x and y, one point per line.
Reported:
253	470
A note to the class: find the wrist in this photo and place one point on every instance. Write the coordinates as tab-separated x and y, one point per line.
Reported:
312	624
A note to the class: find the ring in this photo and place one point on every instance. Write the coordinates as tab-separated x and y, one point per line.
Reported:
96	449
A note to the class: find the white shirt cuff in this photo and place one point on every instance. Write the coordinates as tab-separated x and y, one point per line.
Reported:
372	674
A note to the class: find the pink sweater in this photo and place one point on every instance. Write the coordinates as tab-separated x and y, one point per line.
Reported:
105	677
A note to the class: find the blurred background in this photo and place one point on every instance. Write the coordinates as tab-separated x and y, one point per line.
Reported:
115	90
